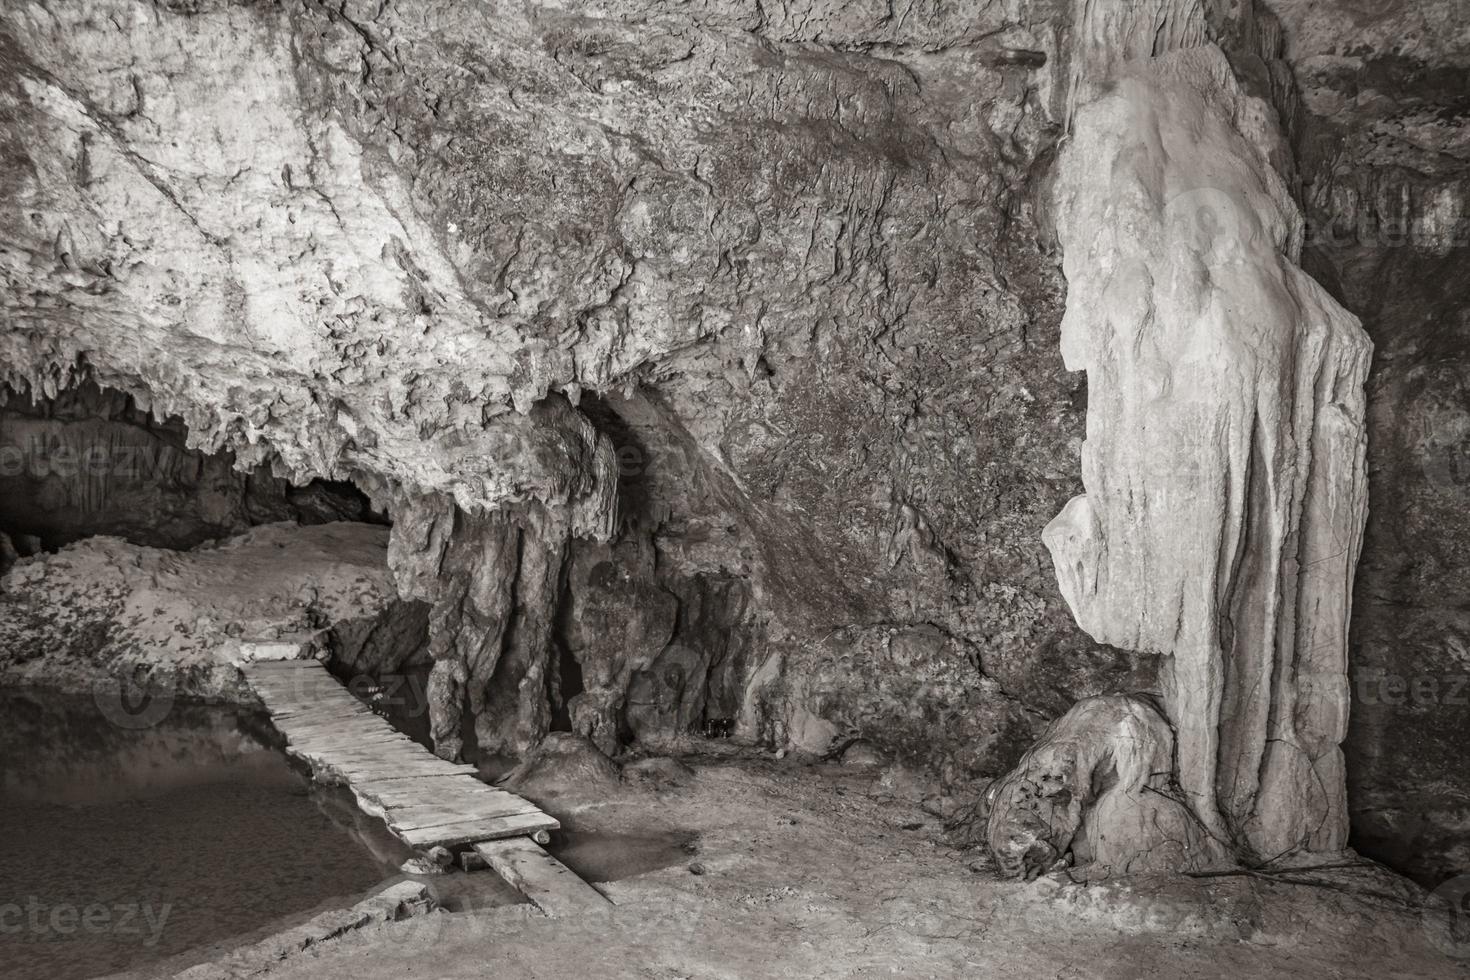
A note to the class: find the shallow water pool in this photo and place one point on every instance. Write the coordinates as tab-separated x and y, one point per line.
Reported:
120	846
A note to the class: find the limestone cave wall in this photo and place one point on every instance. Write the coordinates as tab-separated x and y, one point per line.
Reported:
1384	146
708	358
792	270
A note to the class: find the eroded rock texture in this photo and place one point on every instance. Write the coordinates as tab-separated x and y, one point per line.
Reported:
787	272
1384	146
1224	461
170	620
1100	781
786	261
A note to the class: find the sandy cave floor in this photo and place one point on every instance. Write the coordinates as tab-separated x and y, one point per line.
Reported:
817	871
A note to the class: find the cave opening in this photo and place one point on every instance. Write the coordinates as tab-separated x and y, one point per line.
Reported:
90	462
165	569
978	487
568	685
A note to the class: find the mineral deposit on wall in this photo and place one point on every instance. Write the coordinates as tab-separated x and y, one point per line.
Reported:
1224	460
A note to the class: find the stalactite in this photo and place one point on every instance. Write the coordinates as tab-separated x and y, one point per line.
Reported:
494	581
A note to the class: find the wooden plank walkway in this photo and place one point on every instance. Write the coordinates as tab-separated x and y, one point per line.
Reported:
423	799
550	885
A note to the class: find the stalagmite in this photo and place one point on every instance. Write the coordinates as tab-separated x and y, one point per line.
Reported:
1224	460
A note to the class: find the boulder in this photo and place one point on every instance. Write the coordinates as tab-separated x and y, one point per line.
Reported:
564	764
1098	791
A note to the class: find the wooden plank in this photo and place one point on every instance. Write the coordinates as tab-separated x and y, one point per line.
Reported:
318	698
315	715
398	758
368	724
319	712
468	832
347	738
328	727
384	767
304	693
432	813
463	830
276	670
396	772
427	785
314	712
548	883
457	789
347	764
381	792
451	798
358	742
337	759
316	682
317	701
334	717
405	751
347	751
447	794
375	771
358	775
302	707
381	751
304	690
305	706
271	674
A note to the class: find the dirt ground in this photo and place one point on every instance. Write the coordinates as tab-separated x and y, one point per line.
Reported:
818	871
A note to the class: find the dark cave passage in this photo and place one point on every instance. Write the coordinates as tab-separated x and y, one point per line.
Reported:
90	462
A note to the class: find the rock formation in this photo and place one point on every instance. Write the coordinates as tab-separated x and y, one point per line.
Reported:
166	621
708	358
1381	138
89	462
494	582
790	275
1224	461
1098	789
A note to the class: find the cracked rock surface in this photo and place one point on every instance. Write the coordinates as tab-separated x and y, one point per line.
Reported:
169	619
787	264
708	357
1384	147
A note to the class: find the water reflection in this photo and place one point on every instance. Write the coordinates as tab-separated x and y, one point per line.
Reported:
122	846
